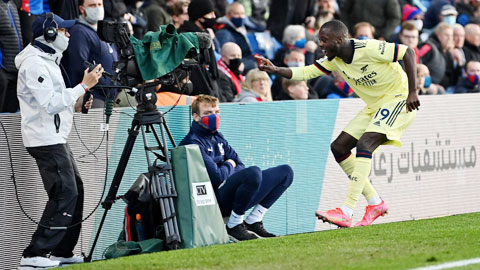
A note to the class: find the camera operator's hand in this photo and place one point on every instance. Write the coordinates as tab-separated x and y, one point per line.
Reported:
234	164
88	104
90	79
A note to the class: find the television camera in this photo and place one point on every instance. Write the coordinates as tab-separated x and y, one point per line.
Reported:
128	74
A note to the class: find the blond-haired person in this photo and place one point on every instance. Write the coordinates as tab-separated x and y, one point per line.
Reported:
255	88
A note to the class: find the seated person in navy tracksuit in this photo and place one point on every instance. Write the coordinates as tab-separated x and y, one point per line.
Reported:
237	188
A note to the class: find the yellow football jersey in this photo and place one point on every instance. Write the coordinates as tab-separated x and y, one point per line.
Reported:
373	72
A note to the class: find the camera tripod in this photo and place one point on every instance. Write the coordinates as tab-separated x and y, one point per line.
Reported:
162	182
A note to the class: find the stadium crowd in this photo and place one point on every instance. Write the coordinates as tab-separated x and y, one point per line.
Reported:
445	35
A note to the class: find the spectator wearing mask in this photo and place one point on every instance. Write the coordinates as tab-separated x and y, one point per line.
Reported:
10	45
231	28
232	67
293	58
47	109
470	82
295	36
255	88
471	47
201	18
363	30
412	14
384	15
205	76
448	14
424	82
237	188
85	45
432	16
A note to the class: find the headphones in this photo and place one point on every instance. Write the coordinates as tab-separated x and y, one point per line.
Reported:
50	33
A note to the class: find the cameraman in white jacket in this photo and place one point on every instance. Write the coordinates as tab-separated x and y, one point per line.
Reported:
47	106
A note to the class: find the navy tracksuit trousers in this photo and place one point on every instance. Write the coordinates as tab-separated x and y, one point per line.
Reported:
252	186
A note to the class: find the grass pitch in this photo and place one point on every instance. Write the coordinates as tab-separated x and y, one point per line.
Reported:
401	245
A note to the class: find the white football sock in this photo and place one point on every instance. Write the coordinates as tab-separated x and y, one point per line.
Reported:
374	200
234	220
347	211
257	214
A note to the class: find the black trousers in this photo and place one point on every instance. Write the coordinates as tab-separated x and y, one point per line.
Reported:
64	187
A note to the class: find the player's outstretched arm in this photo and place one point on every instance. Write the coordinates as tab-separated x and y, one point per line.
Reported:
265	65
413	103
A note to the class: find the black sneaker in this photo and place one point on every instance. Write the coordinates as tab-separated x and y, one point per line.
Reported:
240	233
258	229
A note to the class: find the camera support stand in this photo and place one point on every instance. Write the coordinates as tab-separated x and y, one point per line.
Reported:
161	181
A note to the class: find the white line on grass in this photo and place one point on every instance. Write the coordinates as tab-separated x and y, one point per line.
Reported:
450	264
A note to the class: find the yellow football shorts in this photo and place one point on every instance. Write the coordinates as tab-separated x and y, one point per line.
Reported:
390	119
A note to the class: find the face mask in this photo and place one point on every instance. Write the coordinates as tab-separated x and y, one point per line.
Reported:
234	64
210	122
473	79
450	20
428	82
295	64
209	23
362	37
418	24
60	43
301	43
238	22
94	14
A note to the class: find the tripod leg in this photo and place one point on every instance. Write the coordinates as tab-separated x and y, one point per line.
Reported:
170	183
117	179
164	191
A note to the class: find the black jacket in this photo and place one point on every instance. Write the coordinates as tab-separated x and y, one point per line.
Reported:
286	12
471	51
10	35
68	10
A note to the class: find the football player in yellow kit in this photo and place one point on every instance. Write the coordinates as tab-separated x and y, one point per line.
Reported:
371	68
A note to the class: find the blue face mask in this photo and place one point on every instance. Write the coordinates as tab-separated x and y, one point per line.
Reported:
301	43
238	22
451	20
428	81
210	122
363	37
295	64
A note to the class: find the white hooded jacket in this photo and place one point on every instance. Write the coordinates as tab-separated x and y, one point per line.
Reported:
46	104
